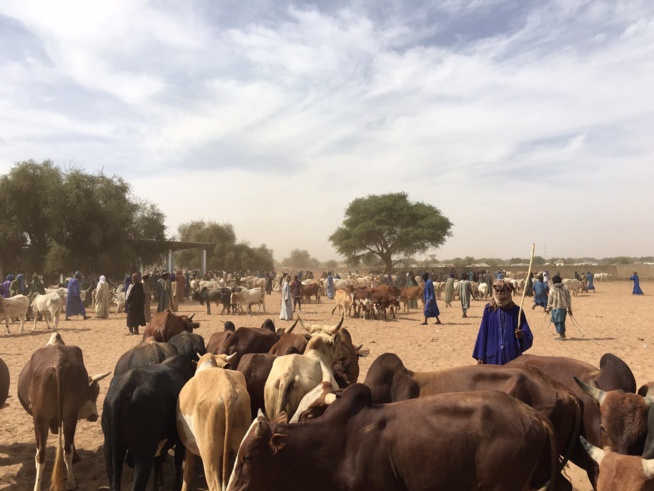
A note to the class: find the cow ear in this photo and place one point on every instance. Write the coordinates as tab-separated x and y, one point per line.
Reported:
277	442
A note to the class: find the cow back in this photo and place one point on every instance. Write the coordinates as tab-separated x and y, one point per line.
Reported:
142	355
256	368
188	344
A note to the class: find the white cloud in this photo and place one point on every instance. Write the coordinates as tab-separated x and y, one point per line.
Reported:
546	116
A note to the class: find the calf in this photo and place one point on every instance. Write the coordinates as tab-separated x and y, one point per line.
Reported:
464	441
344	302
13	307
139	416
48	305
56	390
213	415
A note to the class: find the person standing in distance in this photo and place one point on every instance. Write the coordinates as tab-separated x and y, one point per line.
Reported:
429	298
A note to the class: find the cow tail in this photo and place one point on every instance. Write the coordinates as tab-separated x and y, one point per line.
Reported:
57	478
226	446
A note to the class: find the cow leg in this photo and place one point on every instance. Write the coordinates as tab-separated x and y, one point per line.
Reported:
189	469
22	322
7	325
142	468
180	453
41	433
69	449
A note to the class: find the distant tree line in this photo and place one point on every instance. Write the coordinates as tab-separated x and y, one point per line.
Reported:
57	221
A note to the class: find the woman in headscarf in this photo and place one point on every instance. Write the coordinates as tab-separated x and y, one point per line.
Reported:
134	305
101	299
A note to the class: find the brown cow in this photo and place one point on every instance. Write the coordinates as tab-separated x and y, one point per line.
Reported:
256	368
56	390
411	293
312	289
619	472
463	441
613	374
290	343
390	381
217	339
164	325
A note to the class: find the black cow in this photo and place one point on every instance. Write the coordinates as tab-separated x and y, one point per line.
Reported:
188	344
139	412
220	296
145	353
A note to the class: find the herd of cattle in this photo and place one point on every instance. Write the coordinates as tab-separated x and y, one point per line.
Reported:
272	409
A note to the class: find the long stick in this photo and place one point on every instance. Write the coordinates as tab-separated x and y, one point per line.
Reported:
524	290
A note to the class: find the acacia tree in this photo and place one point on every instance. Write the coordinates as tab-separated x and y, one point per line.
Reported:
389	226
300	258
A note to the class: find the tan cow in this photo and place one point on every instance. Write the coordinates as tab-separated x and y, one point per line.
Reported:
213	415
344	302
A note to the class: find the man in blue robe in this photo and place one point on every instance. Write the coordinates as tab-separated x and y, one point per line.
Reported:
428	296
541	291
500	339
590	277
74	305
637	290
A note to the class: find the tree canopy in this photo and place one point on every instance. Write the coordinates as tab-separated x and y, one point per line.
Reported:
389	226
54	221
226	254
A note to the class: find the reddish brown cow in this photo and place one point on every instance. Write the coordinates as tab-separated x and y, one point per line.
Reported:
164	325
621	472
411	293
56	390
390	381
248	340
217	339
256	368
464	441
613	374
290	343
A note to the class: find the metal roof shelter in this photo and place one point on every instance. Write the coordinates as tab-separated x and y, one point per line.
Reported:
177	245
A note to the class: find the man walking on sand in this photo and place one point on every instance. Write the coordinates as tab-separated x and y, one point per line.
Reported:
558	303
429	298
465	292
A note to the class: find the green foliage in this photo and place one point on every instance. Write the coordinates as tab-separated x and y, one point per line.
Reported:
389	226
225	254
56	221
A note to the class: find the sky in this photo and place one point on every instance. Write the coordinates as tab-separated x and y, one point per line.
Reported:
522	121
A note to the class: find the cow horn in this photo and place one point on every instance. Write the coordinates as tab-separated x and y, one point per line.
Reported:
302	323
289	330
594	392
229	358
97	378
191	316
595	453
649	400
335	329
648	467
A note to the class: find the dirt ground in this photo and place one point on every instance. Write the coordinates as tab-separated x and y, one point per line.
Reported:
611	320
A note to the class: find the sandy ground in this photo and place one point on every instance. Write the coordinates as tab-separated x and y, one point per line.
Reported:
617	321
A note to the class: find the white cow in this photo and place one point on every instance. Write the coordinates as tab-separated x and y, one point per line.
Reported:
48	305
249	297
13	307
62	292
573	285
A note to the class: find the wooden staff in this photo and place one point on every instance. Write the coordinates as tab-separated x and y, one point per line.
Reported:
524	290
